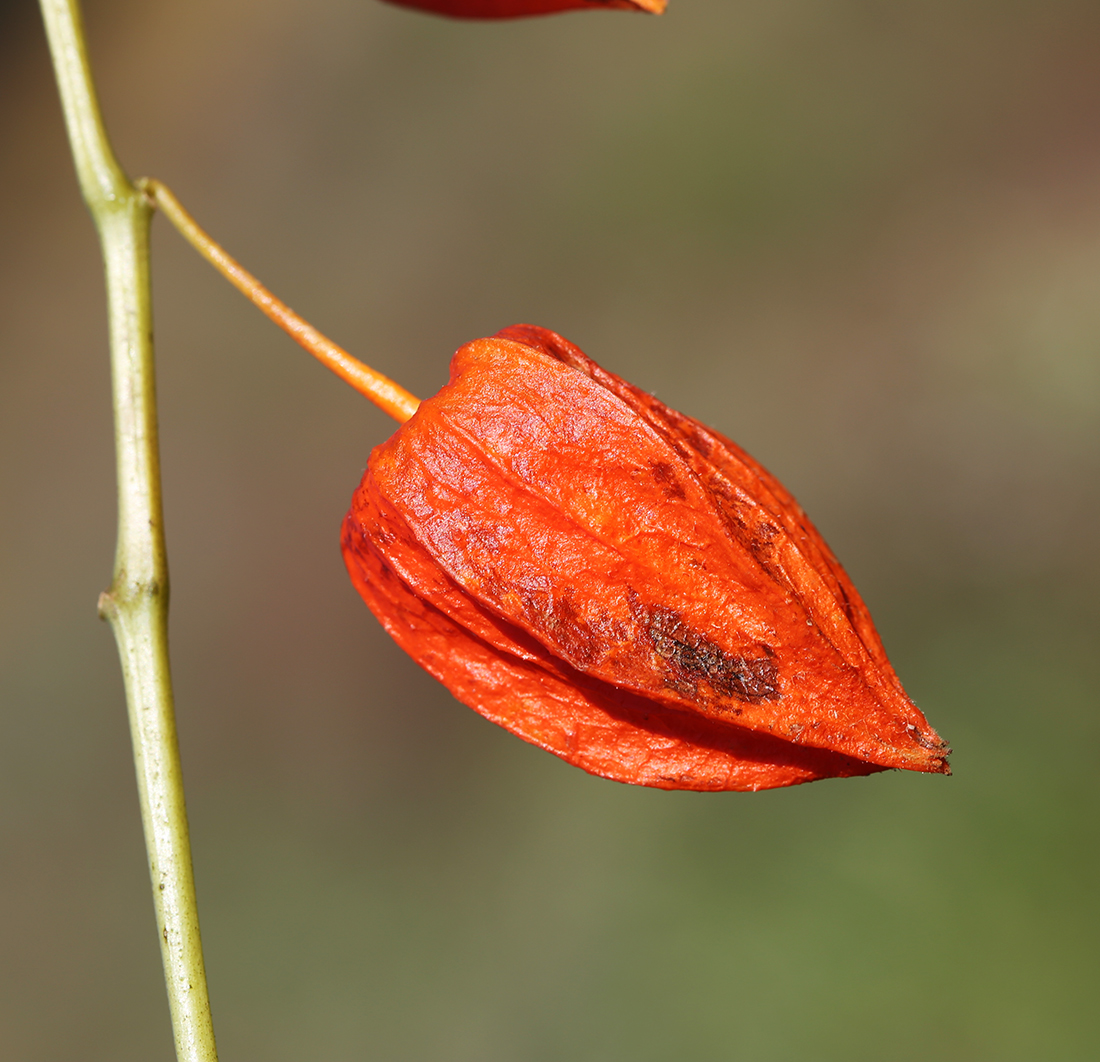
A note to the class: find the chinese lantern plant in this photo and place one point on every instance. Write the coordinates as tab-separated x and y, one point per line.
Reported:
601	575
620	585
605	577
494	9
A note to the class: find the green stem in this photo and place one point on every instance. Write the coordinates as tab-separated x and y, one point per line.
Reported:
137	602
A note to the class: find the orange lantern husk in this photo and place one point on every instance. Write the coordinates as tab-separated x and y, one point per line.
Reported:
493	9
618	584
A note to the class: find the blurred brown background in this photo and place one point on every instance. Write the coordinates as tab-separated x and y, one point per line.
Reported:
861	237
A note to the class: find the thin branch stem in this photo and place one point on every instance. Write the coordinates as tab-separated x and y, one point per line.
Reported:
390	397
136	604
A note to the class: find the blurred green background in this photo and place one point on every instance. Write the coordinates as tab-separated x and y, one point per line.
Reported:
861	237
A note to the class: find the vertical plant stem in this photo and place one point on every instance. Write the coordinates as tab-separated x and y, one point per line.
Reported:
136	604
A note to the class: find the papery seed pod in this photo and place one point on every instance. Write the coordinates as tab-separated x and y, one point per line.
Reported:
621	585
523	8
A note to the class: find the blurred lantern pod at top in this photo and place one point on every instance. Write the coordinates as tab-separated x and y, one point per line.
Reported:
523	8
619	584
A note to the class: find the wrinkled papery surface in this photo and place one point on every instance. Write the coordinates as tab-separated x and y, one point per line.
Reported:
523	8
620	585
